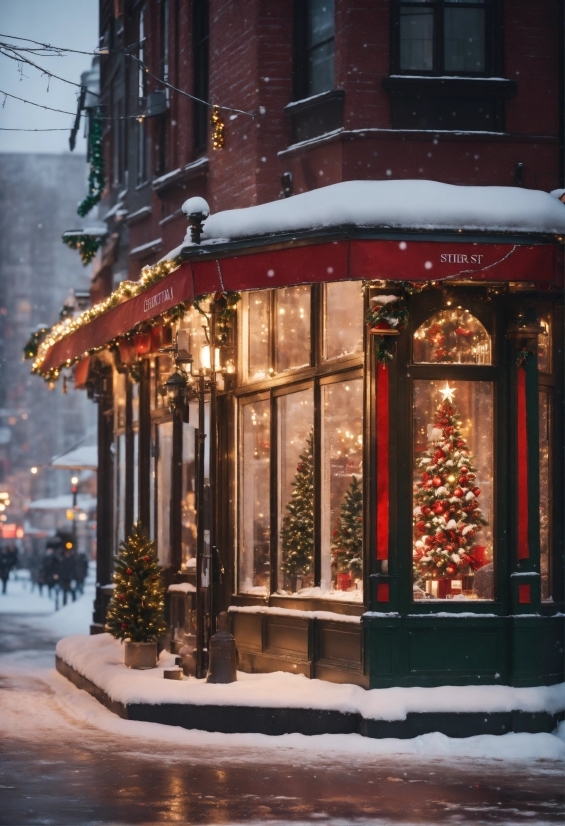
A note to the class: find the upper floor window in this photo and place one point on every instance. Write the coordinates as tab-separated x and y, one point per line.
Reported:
454	336
314	47
443	36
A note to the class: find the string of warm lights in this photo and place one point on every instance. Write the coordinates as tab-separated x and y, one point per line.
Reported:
68	326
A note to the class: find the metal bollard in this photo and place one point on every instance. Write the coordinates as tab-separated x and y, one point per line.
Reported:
222	668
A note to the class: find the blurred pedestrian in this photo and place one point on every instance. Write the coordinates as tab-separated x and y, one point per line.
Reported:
6	565
67	574
81	570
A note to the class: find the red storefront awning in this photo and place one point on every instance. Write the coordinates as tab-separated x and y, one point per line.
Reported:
255	269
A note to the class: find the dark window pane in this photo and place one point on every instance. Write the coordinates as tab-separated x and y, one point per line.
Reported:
320	21
321	69
464	40
416	39
320	46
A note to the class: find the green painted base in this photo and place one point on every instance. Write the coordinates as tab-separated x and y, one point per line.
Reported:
433	650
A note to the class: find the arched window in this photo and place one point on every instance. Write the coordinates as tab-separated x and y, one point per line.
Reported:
453	336
453	457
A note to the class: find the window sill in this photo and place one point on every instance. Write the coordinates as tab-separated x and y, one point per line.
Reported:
317	115
180	177
449	103
297	603
497	87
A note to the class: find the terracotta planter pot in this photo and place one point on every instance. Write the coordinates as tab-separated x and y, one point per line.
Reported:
140	654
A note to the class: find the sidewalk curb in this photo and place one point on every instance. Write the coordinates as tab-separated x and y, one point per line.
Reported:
277	721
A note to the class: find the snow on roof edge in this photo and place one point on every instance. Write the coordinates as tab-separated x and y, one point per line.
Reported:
393	204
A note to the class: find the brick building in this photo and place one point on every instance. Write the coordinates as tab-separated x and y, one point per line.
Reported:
380	494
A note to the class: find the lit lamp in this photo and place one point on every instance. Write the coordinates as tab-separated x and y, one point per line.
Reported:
175	388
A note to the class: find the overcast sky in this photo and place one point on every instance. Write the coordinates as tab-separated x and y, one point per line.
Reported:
70	23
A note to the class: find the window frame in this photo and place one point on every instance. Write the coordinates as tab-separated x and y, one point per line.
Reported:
403	373
494	58
301	52
320	372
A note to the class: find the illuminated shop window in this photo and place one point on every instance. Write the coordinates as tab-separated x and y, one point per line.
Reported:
544	344
188	497
343	319
545	491
255	522
295	491
453	490
165	455
292	320
257	318
452	337
342	490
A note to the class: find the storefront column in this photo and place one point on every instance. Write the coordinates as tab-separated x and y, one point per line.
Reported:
104	512
144	455
130	470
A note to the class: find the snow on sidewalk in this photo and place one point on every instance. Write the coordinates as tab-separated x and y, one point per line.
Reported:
101	660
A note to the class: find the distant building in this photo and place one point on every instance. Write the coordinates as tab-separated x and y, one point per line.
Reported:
38	198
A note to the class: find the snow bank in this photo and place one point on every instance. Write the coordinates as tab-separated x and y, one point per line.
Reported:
101	659
410	204
330	616
252	747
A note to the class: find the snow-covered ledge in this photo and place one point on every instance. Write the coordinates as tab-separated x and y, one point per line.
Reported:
100	659
329	616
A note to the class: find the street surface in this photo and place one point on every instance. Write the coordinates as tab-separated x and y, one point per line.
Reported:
67	761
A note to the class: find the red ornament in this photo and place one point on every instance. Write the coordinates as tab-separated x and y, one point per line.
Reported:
421	526
450	570
463	469
121	597
124	625
463	481
458	493
146	559
426	510
477	491
129	571
438	508
436	481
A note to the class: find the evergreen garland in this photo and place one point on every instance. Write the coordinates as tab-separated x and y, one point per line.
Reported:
347	539
96	178
87	245
297	532
32	345
136	612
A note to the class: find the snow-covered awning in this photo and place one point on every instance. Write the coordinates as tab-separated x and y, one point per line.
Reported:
64	501
82	458
418	205
355	230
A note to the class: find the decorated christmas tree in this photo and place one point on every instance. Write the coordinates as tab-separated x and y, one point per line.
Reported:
447	516
347	539
136	611
297	532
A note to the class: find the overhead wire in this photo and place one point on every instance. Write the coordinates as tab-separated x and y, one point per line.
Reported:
127	51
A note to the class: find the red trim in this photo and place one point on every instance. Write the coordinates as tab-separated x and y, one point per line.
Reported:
382	462
383	592
524	594
255	269
162	296
522	468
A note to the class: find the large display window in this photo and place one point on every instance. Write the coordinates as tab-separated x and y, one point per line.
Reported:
300	444
452	458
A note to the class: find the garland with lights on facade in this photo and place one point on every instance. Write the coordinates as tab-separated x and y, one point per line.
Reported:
389	314
87	245
125	290
96	177
32	345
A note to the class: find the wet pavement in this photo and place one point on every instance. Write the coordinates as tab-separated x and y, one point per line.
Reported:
58	769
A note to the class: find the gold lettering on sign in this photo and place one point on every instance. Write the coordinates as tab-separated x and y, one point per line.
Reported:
460	258
154	301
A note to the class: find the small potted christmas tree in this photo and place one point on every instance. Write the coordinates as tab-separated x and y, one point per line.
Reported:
136	612
297	532
347	539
